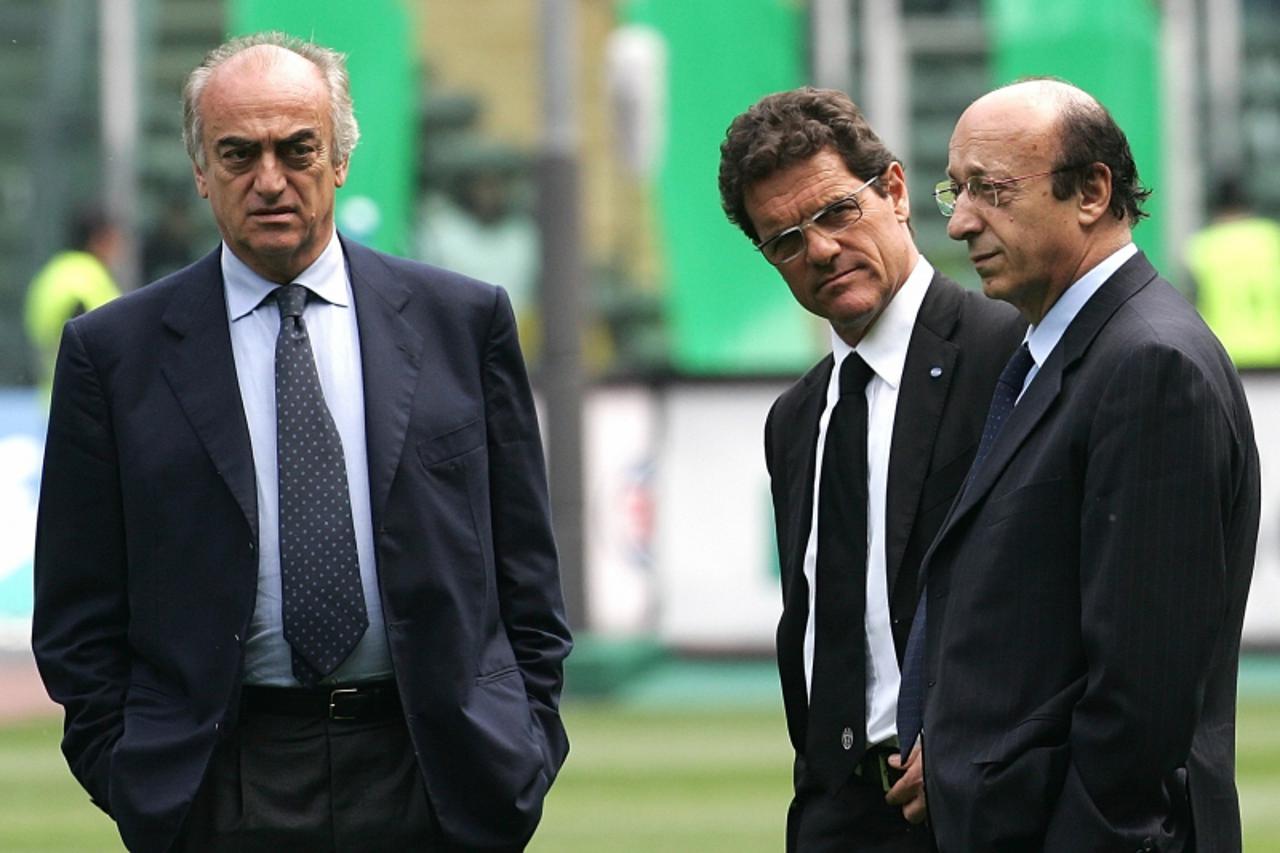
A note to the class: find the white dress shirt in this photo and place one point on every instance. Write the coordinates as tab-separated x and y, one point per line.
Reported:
884	348
1041	339
335	342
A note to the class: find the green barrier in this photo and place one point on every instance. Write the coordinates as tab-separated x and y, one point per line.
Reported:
726	309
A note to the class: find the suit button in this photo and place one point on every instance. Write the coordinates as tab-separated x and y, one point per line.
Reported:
931	682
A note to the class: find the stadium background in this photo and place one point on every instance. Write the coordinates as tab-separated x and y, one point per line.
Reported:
665	336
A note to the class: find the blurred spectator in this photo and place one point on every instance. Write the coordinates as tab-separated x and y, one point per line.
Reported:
73	281
478	227
1234	263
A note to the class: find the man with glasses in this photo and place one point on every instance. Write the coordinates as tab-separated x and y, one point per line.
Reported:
1087	590
860	481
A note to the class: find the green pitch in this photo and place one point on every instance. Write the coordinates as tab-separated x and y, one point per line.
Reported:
646	780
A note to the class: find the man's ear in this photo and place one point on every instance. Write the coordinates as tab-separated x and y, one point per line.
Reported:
340	172
895	183
1095	193
202	186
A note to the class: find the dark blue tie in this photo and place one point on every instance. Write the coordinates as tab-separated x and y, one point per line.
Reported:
911	692
322	600
836	738
1008	387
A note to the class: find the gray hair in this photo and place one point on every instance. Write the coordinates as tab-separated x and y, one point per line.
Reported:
331	63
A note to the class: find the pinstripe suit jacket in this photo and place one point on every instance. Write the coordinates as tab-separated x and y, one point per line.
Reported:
1087	593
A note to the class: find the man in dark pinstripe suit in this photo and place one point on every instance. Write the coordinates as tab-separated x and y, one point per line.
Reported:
1087	590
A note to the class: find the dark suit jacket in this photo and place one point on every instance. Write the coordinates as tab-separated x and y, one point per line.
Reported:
146	553
966	339
1091	584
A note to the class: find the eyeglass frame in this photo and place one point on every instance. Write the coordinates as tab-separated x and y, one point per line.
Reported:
954	187
812	222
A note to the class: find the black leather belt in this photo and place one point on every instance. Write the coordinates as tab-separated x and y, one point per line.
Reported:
354	702
874	767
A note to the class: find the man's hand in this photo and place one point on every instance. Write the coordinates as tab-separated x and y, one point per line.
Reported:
908	791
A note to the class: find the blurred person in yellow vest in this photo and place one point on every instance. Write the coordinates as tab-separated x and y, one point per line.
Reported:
1234	263
72	282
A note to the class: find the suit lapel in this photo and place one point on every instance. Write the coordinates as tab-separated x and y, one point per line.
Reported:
798	437
801	459
201	371
926	377
1044	389
391	355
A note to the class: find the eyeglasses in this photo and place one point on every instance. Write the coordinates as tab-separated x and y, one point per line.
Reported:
788	245
947	193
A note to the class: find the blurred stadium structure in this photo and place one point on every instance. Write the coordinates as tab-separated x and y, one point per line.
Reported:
590	130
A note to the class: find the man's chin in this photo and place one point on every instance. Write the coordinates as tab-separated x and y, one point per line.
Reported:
994	288
275	260
273	248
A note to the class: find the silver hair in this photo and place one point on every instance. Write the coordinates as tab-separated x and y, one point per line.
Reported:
331	63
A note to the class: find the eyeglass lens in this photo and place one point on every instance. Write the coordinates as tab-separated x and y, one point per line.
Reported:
830	222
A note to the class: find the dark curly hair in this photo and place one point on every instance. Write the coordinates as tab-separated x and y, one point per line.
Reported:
789	127
1088	135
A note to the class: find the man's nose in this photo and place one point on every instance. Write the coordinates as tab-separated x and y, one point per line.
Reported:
821	249
268	179
964	221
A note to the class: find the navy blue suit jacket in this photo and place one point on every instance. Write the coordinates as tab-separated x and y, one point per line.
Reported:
146	562
1087	593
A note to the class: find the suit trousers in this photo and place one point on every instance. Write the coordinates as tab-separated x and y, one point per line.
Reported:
854	819
287	783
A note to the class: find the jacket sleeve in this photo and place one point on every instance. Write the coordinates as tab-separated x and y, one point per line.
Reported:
528	575
81	614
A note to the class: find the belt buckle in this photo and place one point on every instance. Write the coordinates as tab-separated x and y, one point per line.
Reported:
333	702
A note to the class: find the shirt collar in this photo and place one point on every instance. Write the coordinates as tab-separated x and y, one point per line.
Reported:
1041	339
246	289
884	347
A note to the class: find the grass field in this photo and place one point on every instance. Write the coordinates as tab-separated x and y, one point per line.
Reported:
639	780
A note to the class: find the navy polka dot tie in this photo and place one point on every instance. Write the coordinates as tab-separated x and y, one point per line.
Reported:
324	613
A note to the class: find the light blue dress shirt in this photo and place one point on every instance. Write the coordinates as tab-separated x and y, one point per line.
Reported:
335	340
1043	338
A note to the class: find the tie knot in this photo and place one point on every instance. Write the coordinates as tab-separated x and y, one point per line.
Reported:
1015	372
854	375
291	299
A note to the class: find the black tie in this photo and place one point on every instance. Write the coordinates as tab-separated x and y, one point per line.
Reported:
911	692
323	604
836	737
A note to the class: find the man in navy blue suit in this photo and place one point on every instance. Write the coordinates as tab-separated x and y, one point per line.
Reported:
1087	590
296	585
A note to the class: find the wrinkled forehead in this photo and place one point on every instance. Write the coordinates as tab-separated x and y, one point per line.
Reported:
264	87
